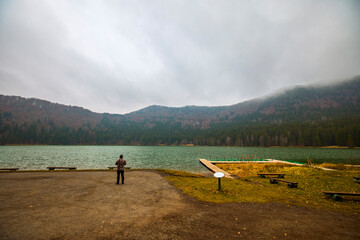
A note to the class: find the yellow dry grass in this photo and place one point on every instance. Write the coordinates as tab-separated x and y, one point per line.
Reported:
251	188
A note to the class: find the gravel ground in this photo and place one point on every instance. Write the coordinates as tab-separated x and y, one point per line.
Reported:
89	205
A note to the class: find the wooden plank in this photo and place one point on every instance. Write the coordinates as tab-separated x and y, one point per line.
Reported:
267	161
342	193
116	167
214	168
280	175
280	161
53	168
290	184
9	169
236	162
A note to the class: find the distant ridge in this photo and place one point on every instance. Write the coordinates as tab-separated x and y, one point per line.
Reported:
31	109
301	102
296	116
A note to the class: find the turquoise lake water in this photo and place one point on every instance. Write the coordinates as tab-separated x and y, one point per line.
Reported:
181	158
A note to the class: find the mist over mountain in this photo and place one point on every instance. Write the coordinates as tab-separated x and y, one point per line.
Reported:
300	116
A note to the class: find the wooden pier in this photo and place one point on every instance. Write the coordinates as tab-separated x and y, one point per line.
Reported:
234	161
214	168
280	161
253	161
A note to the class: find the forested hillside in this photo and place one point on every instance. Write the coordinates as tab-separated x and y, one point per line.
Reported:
301	116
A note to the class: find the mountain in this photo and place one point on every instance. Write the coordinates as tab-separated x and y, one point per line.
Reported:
299	103
303	115
21	110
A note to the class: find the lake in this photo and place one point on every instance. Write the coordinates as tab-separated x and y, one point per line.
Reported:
168	157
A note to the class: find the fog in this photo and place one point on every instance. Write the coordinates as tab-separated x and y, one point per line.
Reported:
120	56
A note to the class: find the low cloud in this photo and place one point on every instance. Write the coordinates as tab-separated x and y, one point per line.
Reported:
119	56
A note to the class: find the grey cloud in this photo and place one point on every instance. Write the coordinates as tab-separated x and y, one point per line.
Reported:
119	56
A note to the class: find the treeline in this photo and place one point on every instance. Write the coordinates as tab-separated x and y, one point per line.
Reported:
341	132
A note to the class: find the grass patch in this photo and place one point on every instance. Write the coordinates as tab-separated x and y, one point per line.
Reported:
251	188
340	166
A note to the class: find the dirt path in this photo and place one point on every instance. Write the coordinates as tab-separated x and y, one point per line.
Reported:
88	205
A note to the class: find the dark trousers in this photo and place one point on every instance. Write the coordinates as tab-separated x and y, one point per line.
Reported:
118	176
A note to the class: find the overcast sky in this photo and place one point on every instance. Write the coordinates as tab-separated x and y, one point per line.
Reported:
119	56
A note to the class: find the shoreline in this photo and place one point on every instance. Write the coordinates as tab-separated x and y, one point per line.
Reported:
148	169
185	145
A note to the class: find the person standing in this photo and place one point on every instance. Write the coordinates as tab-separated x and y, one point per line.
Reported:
120	169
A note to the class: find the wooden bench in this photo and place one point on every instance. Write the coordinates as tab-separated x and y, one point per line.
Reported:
279	175
290	184
116	167
9	169
337	195
69	168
